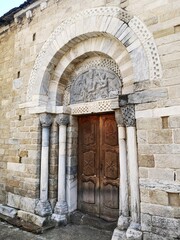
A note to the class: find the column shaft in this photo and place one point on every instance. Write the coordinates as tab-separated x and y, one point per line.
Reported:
44	164
124	203
62	164
133	169
61	209
43	207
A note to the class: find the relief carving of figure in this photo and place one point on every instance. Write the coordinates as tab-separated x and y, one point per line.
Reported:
95	84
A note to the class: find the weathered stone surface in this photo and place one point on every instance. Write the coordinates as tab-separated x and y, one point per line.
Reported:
123	223
158	197
147	96
146	161
19	202
118	235
148	123
8	211
174	122
133	234
43	209
161	174
80	42
146	222
160	210
174	199
167	160
142	136
32	218
177	136
166	227
160	136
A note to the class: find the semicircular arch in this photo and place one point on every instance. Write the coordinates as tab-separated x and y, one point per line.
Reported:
111	22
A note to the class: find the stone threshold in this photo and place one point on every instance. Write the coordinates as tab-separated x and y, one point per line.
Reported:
80	218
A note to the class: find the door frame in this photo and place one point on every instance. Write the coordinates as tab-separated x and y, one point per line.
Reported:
90	108
97	209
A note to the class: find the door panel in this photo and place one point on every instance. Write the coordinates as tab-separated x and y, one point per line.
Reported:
109	176
88	166
98	167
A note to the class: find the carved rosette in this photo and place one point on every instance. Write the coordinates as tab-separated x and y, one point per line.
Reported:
128	113
62	119
46	119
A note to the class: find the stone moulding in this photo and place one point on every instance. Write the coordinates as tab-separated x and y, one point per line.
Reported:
138	33
94	107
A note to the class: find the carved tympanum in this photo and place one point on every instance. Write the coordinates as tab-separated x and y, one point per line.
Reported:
95	84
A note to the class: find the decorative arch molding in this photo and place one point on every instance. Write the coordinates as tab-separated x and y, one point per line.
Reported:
116	53
104	21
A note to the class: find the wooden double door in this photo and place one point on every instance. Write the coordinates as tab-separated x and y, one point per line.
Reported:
98	166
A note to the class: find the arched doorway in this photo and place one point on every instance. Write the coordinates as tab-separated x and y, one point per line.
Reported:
127	47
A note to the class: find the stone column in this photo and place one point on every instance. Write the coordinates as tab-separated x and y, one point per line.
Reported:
123	221
61	209
128	113
43	207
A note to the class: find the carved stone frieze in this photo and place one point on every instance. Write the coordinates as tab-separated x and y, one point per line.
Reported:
128	113
95	84
46	119
62	119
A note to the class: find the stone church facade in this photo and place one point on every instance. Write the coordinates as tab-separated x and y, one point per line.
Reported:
90	113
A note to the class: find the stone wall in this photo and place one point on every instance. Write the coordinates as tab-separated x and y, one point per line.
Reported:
157	111
158	125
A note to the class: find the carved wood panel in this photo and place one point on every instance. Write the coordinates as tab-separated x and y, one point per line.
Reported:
98	167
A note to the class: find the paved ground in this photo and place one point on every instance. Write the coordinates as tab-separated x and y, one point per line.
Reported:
70	232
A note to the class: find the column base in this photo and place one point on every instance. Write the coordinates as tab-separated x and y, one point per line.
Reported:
43	208
134	232
123	223
118	235
60	213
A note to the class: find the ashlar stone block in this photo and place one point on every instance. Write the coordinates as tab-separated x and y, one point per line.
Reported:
32	218
160	136
8	211
146	161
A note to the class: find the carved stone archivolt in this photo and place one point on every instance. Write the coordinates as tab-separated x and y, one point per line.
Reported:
95	84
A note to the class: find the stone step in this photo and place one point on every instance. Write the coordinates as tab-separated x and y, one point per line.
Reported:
80	218
24	225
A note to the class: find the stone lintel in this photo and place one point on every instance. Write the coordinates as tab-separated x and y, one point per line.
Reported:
143	96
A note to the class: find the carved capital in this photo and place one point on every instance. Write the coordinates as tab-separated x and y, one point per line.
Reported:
119	117
62	119
128	113
46	119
